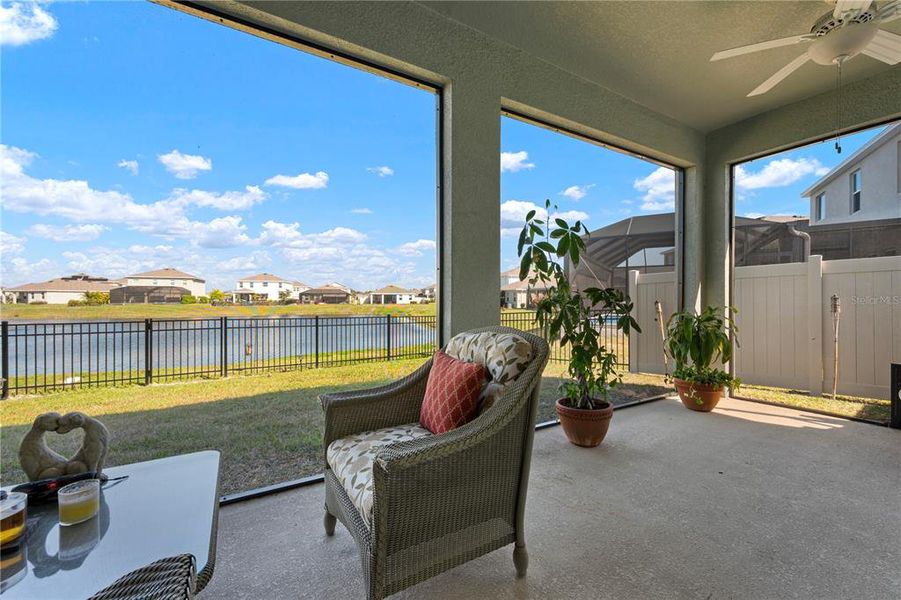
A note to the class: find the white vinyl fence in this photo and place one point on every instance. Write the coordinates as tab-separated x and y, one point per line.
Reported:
786	325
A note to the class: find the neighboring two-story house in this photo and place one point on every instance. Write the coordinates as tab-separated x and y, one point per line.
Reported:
167	277
266	286
864	187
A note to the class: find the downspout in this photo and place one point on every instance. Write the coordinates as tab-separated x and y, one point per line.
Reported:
804	236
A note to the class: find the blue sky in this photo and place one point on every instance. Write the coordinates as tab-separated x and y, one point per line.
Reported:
602	186
225	142
136	137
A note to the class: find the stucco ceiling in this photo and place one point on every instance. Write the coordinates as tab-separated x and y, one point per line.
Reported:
657	53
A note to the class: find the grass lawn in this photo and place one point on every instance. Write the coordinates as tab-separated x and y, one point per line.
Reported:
268	427
871	409
45	312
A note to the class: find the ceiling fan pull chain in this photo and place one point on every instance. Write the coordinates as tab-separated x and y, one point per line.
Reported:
838	127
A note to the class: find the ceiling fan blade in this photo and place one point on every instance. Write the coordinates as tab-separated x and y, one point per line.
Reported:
850	6
780	75
885	47
795	39
889	11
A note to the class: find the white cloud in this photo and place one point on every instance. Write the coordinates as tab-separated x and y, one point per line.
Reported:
303	181
753	215
576	192
231	200
417	248
513	216
381	171
10	244
25	22
129	165
778	173
18	270
224	232
361	211
242	265
515	161
571	216
71	199
659	190
185	166
67	233
77	201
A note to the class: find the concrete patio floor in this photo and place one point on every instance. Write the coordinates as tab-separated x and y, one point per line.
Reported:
750	501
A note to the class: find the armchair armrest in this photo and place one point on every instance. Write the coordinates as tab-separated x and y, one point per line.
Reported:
396	403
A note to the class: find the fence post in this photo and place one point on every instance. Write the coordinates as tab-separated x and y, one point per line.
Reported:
388	336
4	328
223	345
815	310
148	351
632	290
316	341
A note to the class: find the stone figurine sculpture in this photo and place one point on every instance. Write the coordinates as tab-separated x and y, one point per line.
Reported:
39	461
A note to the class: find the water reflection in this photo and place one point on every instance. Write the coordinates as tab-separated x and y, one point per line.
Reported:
52	548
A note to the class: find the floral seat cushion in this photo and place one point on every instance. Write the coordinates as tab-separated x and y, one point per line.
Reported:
505	356
351	460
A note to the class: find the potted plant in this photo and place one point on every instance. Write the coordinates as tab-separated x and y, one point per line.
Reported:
574	317
695	342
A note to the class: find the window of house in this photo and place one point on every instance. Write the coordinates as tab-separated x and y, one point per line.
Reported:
265	284
855	191
820	206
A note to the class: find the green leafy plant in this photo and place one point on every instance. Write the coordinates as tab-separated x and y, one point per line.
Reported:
569	315
697	341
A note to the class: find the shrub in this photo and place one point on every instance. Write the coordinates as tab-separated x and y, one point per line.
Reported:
96	298
188	299
75	303
203	300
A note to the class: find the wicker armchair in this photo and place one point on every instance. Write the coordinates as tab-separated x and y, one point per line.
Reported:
439	500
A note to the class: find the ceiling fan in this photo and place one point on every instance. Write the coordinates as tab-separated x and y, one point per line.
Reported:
852	28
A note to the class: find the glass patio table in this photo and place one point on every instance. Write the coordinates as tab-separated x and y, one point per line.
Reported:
163	508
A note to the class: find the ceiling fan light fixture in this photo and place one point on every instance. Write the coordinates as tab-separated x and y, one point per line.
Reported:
847	41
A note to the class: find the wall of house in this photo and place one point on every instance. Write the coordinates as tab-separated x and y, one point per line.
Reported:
880	189
49	297
271	289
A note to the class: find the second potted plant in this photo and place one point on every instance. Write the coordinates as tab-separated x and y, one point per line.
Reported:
575	318
696	342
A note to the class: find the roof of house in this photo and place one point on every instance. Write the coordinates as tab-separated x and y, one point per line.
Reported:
74	283
326	290
300	284
393	289
524	285
263	277
862	152
167	272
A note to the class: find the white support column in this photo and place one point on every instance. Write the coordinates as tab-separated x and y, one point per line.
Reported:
815	310
632	290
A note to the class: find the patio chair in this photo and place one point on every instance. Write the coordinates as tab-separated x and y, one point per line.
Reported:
420	504
172	578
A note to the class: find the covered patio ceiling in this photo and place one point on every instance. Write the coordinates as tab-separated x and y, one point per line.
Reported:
658	53
750	501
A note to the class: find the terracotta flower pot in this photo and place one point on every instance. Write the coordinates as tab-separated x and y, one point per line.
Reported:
698	396
584	427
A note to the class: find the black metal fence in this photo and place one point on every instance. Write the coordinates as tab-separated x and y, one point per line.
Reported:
39	357
611	337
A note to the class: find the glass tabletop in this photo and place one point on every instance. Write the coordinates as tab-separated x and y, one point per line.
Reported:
165	507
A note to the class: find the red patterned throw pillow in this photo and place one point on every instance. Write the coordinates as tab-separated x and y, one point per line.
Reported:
451	393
